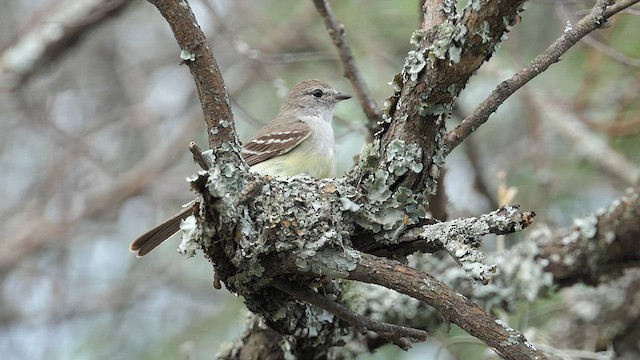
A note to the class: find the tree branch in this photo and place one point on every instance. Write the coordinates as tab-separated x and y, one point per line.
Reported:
459	237
434	12
50	37
351	71
597	245
507	342
596	19
399	335
433	75
198	156
195	52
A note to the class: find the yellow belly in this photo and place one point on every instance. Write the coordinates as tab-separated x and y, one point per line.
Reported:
297	163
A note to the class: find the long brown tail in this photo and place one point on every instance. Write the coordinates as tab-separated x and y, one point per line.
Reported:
156	236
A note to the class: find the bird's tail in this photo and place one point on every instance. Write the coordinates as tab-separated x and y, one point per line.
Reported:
156	236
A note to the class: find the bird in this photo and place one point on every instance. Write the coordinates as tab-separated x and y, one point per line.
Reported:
298	141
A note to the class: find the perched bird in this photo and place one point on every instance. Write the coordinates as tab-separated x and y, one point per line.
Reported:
298	141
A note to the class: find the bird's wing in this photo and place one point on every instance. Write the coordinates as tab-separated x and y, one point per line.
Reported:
275	139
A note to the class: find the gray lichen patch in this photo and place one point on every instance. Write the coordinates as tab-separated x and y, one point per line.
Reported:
380	209
413	64
402	157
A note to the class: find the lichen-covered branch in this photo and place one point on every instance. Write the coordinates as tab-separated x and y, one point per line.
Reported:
258	341
351	71
596	19
196	53
462	237
597	246
399	335
459	237
434	73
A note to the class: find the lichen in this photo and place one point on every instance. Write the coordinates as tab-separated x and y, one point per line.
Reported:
384	212
485	32
187	55
417	37
413	64
335	263
402	157
190	234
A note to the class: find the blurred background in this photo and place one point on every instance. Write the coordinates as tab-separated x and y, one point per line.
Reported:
96	116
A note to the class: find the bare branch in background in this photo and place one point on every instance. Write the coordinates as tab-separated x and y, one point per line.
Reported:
586	143
28	240
47	39
597	245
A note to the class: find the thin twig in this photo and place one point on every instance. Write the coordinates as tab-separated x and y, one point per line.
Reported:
589	40
399	335
351	71
198	156
597	18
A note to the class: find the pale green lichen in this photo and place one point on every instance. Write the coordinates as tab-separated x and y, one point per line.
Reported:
449	7
402	157
587	226
396	85
426	109
440	47
348	204
417	37
378	187
386	212
189	233
187	55
413	64
455	54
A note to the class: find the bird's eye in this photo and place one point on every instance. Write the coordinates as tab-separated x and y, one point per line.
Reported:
317	93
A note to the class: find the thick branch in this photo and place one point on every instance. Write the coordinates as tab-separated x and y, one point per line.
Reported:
596	19
433	76
351	71
195	52
509	343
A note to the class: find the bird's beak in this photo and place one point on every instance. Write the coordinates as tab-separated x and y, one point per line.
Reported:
340	96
